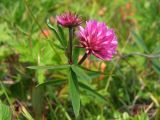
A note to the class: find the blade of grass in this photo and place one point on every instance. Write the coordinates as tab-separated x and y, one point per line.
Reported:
5	113
53	96
140	41
26	114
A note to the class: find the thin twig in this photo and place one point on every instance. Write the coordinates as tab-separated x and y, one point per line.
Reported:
116	62
70	45
149	107
31	14
83	58
143	55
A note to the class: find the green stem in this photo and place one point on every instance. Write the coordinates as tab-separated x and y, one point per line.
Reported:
70	45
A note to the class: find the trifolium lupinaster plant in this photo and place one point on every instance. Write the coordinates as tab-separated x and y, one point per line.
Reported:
96	38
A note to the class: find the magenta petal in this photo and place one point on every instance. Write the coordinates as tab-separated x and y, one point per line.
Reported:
98	39
68	19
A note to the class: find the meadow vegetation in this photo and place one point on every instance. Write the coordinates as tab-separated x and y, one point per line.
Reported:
130	82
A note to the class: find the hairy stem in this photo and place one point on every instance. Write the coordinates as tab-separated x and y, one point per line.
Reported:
83	58
70	61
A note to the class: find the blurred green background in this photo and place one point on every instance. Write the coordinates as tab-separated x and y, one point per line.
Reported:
132	83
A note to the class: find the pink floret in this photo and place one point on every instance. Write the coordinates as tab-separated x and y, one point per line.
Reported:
98	39
68	19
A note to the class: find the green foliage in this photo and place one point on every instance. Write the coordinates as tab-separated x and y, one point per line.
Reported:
26	114
5	112
93	92
81	74
38	95
74	91
126	88
58	67
61	40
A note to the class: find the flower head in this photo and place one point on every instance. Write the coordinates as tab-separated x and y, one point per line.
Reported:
68	19
98	39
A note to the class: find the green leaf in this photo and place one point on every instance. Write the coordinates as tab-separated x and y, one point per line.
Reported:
63	38
54	82
91	91
55	32
74	92
49	67
5	113
80	73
